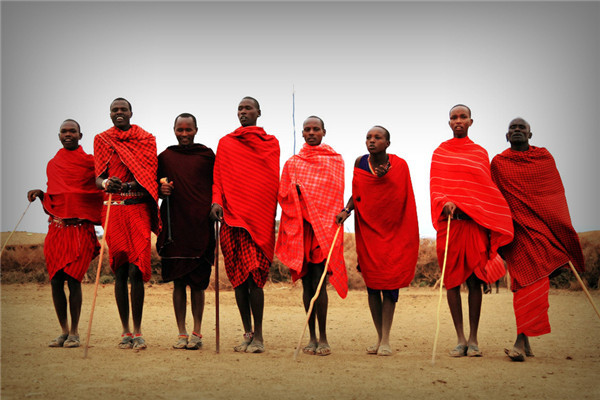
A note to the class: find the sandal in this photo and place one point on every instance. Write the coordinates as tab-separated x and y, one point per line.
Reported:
138	342
195	341
182	342
58	341
459	351
255	348
72	341
126	341
473	351
244	345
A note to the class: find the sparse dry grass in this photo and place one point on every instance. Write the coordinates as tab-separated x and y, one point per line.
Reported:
24	262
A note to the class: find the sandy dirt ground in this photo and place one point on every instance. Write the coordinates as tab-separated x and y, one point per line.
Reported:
566	365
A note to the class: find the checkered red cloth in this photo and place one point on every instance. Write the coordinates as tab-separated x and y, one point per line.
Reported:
72	191
243	257
544	236
531	308
319	173
136	148
387	229
70	248
460	173
246	179
128	231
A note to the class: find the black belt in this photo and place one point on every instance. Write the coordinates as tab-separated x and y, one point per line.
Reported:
127	202
461	216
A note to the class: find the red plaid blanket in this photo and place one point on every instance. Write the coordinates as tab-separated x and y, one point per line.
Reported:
544	236
137	150
319	173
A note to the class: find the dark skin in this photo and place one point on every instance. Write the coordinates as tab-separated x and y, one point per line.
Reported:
69	135
460	122
313	133
382	307
120	114
250	298
185	131
518	135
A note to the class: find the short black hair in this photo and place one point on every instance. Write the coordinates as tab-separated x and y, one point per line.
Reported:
460	105
254	100
322	123
186	115
124	99
387	133
72	120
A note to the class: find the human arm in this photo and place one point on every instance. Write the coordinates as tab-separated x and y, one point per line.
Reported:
345	213
34	194
109	185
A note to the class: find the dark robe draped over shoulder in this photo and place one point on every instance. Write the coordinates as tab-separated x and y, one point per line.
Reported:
191	171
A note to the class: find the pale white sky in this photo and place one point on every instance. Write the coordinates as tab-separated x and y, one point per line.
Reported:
355	64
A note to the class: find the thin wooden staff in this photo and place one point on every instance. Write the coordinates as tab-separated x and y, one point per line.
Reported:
312	301
437	328
217	330
584	288
16	226
89	330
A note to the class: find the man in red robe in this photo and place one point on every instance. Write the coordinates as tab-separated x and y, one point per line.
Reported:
126	165
246	179
544	236
387	230
462	189
186	245
311	194
74	204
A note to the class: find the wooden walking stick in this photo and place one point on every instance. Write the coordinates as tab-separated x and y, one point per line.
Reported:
89	330
217	330
584	288
312	301
437	328
16	226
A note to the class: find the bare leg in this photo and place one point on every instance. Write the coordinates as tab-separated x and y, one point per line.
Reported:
179	305
197	299
375	305
137	297
242	298
59	299
75	300
121	296
387	314
475	297
257	304
307	295
455	304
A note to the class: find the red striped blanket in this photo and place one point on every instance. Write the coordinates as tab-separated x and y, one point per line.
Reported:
245	183
460	173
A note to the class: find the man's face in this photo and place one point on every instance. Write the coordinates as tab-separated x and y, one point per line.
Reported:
313	132
518	131
377	141
185	131
69	135
460	121
248	113
120	114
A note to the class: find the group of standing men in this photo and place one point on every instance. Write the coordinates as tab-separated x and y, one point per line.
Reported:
517	210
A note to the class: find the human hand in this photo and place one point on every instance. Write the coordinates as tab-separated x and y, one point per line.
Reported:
216	212
166	187
449	209
34	194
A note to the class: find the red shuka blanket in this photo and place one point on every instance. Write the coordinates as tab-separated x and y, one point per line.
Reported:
387	230
246	179
319	173
137	150
72	191
544	236
460	173
531	308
